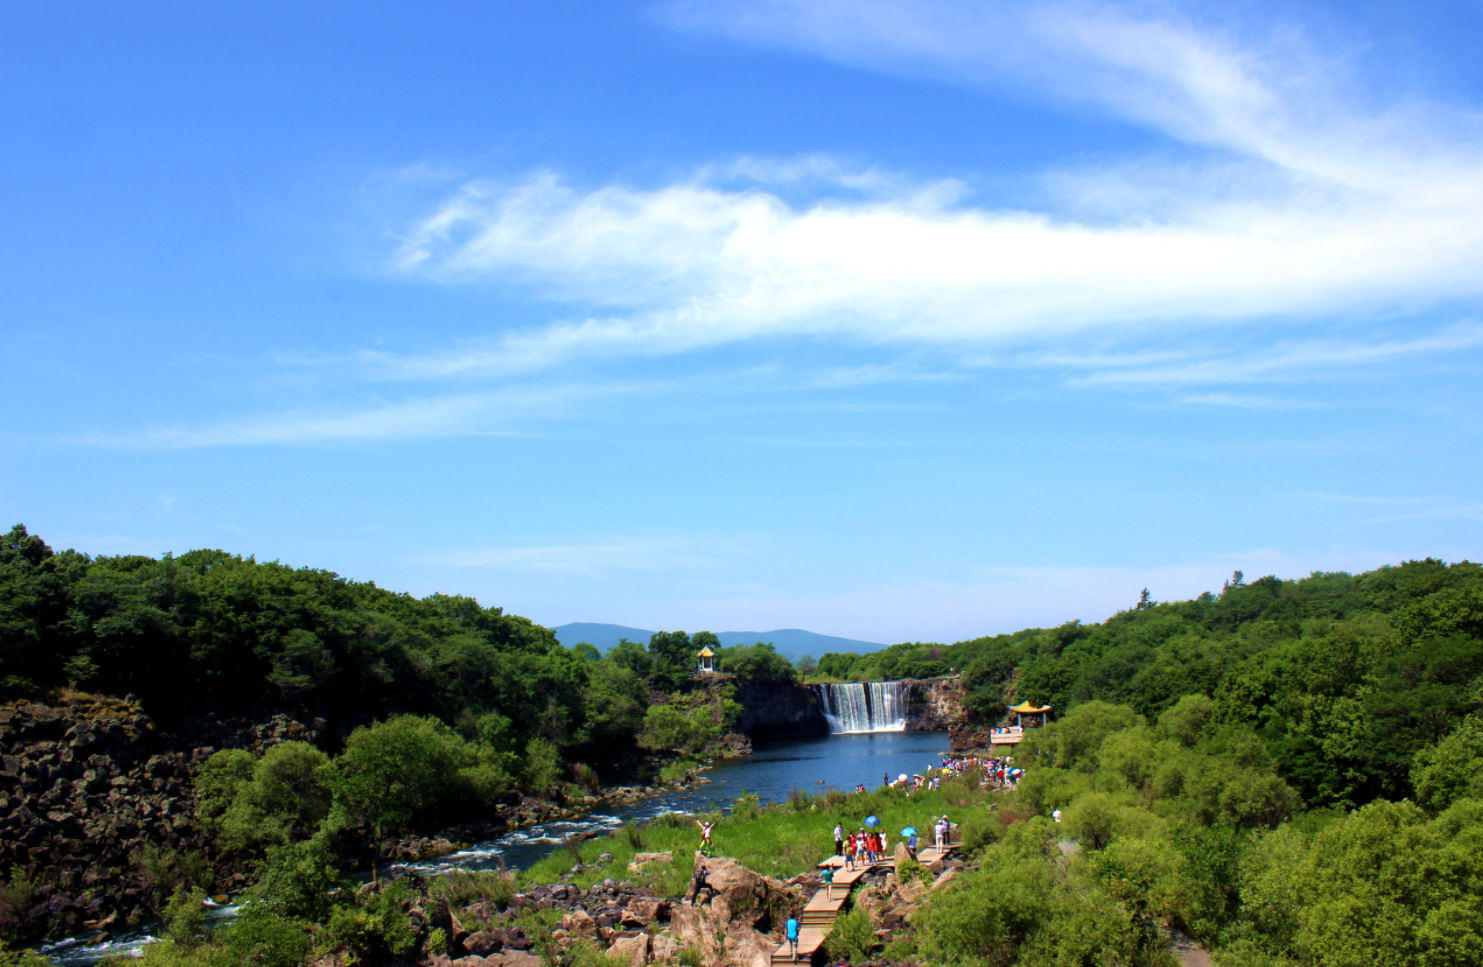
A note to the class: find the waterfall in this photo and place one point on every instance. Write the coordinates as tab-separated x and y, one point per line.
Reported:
864	706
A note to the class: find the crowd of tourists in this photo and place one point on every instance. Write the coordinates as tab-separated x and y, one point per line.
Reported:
999	771
863	849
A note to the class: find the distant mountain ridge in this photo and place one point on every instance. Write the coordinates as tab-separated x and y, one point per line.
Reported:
793	642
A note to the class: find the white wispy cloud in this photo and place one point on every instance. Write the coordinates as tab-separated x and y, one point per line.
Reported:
1285	362
593	559
491	412
1314	202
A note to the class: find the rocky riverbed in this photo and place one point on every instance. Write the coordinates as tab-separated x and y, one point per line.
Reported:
97	807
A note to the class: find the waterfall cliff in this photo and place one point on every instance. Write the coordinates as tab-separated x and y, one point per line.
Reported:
864	706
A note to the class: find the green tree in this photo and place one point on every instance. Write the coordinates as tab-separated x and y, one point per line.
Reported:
672	658
1452	769
392	771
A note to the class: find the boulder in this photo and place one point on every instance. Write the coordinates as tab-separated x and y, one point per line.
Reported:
747	894
513	958
641	860
481	944
644	910
911	891
944	879
663	949
746	947
580	924
634	950
902	854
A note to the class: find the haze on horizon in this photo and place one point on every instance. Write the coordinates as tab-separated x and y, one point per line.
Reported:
891	321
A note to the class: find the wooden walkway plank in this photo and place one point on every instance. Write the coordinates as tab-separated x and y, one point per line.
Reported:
819	913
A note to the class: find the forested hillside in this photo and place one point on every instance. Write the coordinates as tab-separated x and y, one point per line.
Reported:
210	631
1344	677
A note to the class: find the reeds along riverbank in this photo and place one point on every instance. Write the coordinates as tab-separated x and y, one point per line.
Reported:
779	840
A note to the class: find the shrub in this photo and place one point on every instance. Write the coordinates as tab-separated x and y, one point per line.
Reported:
165	870
301	880
16	900
265	937
280	798
746	808
21	958
184	916
377	930
852	938
585	776
543	767
980	830
462	887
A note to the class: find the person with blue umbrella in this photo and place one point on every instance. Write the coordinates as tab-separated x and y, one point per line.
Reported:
910	833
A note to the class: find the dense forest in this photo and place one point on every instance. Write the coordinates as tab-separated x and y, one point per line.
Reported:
212	632
1344	677
1289	771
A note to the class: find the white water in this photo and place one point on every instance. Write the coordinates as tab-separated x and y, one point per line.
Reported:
855	707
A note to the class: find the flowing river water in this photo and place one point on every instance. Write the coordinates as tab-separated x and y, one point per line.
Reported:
771	772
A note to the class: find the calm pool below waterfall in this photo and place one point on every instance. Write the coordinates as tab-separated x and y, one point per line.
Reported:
771	772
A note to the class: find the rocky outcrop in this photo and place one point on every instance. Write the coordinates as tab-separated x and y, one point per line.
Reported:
97	808
934	704
776	709
738	921
95	813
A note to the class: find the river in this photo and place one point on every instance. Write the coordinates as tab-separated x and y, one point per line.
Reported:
771	772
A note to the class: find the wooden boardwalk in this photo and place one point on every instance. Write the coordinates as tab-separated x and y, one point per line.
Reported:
820	912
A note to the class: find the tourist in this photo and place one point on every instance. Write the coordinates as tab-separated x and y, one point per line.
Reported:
1056	815
911	843
698	882
885	848
828	882
792	931
939	834
838	839
705	836
849	853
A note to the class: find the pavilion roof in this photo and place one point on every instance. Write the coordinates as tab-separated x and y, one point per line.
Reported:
1026	708
706	653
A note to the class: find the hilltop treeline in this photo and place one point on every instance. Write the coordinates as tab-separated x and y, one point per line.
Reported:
1345	678
210	631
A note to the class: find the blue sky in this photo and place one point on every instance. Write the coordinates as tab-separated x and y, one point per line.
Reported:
890	320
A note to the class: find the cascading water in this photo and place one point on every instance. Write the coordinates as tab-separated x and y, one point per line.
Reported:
855	707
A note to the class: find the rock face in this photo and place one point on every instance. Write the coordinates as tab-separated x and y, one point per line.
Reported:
779	709
96	809
934	705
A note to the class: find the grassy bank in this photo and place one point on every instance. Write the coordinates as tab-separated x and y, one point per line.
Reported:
781	840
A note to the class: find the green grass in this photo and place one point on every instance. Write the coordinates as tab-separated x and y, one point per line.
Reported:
781	840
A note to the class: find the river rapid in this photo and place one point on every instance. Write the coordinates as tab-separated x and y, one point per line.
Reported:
771	772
